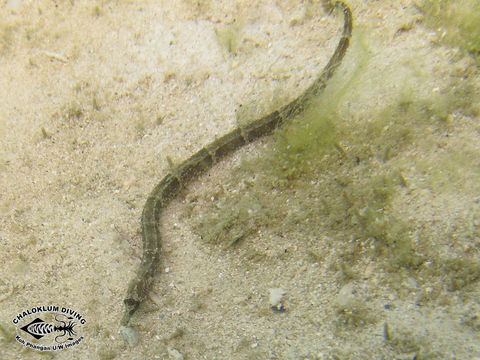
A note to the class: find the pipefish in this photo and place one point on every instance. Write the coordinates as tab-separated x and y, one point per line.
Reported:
202	160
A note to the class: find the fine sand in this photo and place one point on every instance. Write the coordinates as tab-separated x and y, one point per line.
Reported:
96	95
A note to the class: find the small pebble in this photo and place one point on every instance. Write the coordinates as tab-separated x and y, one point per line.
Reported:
174	354
276	295
129	335
346	296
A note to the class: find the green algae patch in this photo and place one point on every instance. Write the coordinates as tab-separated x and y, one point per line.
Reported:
456	22
350	175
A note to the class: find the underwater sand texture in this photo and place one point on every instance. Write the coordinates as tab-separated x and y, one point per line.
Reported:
96	96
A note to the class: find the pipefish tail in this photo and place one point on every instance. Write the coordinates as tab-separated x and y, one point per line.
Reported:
199	162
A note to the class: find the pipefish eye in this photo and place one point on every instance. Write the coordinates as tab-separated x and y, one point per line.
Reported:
131	303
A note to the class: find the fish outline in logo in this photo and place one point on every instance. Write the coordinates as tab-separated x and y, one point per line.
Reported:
38	328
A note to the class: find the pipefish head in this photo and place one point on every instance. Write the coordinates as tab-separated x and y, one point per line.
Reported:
131	306
132	301
137	291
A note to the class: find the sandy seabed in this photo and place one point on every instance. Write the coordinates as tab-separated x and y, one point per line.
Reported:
97	94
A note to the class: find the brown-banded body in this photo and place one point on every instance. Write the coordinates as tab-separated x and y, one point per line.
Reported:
202	160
